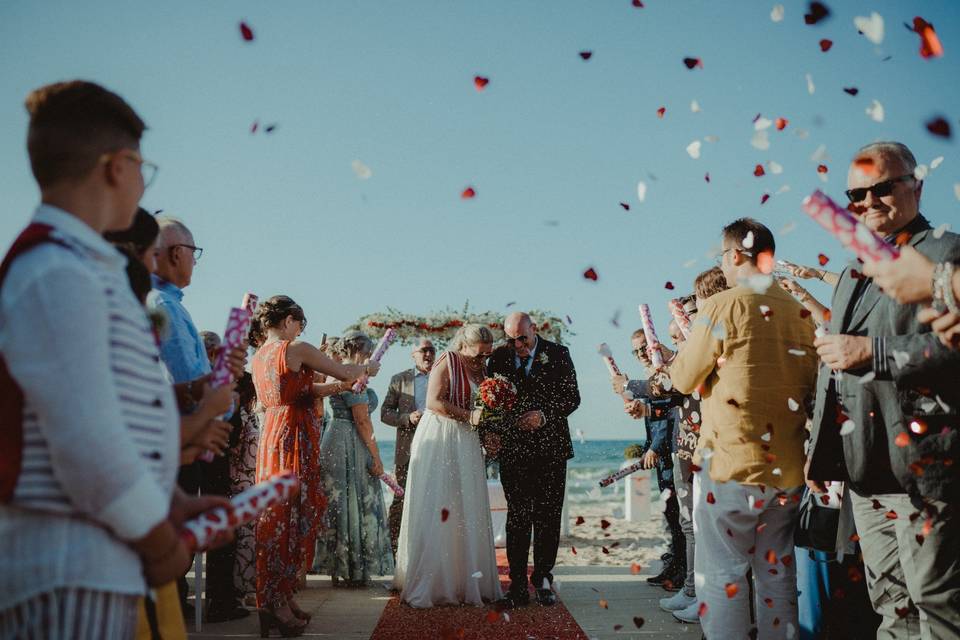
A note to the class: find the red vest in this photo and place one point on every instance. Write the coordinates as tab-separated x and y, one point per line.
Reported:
11	396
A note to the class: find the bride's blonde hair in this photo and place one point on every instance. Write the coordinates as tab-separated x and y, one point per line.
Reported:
471	334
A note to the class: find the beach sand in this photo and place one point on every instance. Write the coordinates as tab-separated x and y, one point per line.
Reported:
626	543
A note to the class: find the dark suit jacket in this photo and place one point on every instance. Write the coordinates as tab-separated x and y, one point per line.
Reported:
551	387
395	411
914	369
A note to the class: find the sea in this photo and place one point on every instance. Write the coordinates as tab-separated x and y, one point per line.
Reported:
592	460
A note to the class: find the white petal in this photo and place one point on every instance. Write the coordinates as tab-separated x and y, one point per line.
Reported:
936	162
810	86
760	140
956	190
875	111
777	472
901	358
796	352
920	171
694	149
361	170
793	404
783	189
694	106
641	191
711	139
820	155
766	437
762	123
477	574
775	168
748	240
939	231
776	14
871	28
790	227
847	427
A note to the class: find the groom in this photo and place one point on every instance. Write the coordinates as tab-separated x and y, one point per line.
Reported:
534	446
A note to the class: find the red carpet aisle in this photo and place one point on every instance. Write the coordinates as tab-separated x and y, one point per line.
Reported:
400	622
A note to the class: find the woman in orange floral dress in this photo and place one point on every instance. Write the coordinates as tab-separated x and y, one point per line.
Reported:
283	374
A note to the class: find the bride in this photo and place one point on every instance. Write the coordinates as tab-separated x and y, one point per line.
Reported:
445	554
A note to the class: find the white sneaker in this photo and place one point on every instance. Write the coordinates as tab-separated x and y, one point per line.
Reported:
690	615
677	602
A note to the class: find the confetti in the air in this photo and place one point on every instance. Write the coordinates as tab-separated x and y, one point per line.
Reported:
781	123
793	404
758	170
480	82
625	206
444	514
361	170
668	286
694	106
692	63
936	162
848	427
875	111
776	14
822	259
661	111
939	127
930	46
920	171
871	28
641	191
851	90
810	86
817	13
468	193
693	149
591	274
586	55
825	45
774	167
942	229
246	32
760	140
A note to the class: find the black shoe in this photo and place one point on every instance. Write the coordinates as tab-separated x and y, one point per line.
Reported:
667	573
546	597
676	575
189	613
224	613
512	601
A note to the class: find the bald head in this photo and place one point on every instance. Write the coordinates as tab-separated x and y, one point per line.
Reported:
520	332
175	247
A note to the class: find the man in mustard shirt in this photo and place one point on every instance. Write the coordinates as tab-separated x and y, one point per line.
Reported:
751	356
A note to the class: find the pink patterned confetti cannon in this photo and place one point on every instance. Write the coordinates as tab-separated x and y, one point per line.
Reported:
851	233
209	528
390	482
235	335
653	342
623	473
388	337
607	355
683	320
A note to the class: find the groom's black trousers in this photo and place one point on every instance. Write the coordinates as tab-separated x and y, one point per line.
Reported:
534	495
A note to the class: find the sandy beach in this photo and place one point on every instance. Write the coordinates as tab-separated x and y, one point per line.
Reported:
604	540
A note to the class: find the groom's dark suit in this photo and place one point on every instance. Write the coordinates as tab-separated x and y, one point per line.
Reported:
533	464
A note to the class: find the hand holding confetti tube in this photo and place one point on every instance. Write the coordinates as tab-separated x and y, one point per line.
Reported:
850	231
381	349
392	484
683	320
607	355
653	343
623	473
209	528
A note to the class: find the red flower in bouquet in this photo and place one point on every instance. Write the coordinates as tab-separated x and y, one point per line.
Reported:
495	396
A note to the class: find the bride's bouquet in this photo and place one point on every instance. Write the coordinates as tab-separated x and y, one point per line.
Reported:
495	397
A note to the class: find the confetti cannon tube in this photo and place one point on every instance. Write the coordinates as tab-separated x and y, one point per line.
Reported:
210	527
623	473
390	482
235	335
683	320
385	343
653	343
607	355
851	233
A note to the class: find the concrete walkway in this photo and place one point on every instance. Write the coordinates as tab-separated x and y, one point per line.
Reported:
352	614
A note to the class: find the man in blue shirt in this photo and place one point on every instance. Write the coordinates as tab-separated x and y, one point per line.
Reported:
185	357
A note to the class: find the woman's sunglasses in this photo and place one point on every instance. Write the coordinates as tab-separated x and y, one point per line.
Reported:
879	190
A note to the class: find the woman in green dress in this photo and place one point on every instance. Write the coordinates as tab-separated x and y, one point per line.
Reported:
355	544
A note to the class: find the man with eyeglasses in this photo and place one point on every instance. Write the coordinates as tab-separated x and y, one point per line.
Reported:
402	408
887	374
185	357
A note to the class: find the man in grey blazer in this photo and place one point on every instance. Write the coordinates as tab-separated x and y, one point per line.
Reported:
402	408
894	391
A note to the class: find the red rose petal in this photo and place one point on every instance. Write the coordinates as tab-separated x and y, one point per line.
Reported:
591	274
711	499
480	82
930	46
731	589
604	524
707	177
492	616
574	549
902	439
661	111
702	610
693	62
254	126
246	32
444	514
639	5
758	170
781	124
939	127
823	259
668	286
771	556
825	45
817	12
822	168
804	313
626	207
635	568
586	55
851	90
891	515
764	198
638	621
468	193
580	520
270	128
605	550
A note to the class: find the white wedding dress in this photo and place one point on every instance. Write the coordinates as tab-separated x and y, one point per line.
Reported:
445	554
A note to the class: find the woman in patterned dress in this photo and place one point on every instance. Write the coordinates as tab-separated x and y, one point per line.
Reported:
283	374
356	543
243	473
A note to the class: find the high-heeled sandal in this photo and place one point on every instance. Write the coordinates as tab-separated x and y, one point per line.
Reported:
299	613
287	629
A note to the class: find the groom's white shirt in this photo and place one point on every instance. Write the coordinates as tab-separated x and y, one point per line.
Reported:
533	354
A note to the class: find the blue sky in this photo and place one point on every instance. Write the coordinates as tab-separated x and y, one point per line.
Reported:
552	145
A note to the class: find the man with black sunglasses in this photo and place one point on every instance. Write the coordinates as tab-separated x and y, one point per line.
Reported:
888	375
534	448
402	408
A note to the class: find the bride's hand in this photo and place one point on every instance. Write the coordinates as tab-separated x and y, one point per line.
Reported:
475	416
376	468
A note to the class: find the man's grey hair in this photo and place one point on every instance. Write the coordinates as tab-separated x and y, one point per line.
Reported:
416	345
171	227
210	339
890	149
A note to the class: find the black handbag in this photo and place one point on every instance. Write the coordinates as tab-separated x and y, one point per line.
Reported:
816	525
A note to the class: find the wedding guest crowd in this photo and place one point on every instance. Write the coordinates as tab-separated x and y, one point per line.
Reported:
773	405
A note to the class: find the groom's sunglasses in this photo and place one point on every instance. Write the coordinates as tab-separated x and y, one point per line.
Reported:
879	190
513	341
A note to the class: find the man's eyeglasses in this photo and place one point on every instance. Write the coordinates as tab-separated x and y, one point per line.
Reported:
879	190
513	341
148	170
719	258
197	251
426	350
639	352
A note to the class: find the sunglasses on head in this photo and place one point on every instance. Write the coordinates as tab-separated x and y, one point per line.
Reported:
879	190
513	341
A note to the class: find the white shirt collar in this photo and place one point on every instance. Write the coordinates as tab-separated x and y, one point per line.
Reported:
79	232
